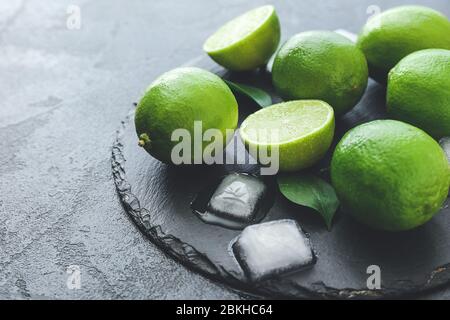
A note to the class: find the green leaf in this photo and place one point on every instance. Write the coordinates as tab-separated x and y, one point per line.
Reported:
261	97
310	191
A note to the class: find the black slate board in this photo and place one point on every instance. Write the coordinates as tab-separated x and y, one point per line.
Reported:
157	198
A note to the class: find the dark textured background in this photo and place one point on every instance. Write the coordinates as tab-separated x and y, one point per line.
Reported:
63	94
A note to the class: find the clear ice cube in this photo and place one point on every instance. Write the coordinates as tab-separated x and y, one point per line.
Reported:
272	248
237	198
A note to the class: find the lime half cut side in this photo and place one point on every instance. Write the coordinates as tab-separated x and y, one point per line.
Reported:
246	42
299	131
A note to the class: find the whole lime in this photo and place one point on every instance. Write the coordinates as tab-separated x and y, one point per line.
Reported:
176	100
388	37
301	131
418	91
390	175
246	42
321	65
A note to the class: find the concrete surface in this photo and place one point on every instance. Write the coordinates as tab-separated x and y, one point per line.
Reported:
63	93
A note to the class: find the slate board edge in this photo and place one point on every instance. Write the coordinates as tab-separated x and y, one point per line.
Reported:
198	262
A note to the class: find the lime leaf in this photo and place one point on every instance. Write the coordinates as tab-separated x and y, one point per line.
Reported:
261	97
310	191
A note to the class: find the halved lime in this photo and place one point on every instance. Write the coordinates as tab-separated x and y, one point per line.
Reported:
302	130
246	42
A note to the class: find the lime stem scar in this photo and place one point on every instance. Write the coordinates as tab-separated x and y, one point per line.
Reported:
144	140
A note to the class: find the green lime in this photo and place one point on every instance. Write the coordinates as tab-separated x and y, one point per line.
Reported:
388	37
246	42
321	65
390	175
176	100
419	91
301	131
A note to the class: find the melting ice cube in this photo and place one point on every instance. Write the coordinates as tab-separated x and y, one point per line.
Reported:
272	248
239	200
237	197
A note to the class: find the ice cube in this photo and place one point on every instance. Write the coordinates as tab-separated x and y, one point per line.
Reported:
237	198
272	248
445	144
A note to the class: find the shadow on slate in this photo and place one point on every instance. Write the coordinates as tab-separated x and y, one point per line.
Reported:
157	197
